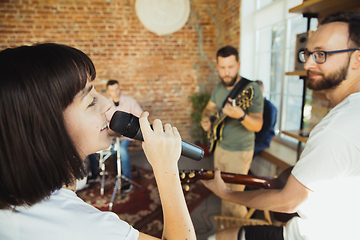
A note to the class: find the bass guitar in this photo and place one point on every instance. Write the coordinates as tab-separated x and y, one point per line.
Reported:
192	176
243	100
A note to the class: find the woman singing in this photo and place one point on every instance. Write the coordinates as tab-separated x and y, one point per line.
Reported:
51	118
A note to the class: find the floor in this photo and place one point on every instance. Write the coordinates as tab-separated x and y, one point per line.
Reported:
202	216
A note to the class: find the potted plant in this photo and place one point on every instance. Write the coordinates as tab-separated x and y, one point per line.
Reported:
199	101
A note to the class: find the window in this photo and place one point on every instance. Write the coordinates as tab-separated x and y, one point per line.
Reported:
274	33
262	3
269	61
293	86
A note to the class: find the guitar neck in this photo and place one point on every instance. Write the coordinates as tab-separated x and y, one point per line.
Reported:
261	182
191	176
248	180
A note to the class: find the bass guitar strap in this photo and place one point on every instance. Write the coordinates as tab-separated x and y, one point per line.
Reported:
237	89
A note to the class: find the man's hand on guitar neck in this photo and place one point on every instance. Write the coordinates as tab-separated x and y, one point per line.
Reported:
209	110
206	124
216	185
284	200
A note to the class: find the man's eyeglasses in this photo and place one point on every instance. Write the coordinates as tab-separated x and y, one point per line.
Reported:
320	56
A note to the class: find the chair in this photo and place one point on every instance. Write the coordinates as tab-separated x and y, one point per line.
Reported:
228	222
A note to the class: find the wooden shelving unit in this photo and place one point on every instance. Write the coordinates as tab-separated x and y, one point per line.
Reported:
325	7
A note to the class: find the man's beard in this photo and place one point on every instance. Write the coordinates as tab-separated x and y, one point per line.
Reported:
231	83
328	82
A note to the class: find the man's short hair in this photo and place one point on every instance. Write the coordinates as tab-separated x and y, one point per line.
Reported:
227	51
353	19
111	82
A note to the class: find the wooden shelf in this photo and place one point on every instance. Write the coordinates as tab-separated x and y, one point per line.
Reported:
325	6
296	73
301	135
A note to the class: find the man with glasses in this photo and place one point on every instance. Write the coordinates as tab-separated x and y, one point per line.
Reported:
323	187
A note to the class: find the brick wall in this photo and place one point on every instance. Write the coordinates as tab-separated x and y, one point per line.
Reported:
158	71
228	26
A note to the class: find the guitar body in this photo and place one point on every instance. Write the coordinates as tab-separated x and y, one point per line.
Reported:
215	135
243	100
191	176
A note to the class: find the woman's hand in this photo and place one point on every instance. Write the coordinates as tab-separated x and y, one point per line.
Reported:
162	145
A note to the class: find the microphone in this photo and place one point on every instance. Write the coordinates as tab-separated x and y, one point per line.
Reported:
128	125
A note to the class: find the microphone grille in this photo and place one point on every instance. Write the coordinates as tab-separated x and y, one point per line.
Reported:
125	124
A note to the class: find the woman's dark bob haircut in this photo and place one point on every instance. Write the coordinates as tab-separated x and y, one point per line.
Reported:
37	155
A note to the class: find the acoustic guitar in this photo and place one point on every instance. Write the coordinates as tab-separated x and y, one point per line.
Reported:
192	176
243	100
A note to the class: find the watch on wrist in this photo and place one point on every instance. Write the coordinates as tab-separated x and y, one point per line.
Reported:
242	118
